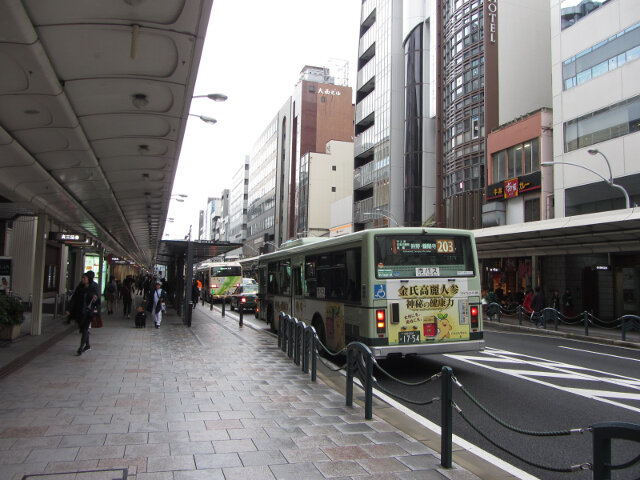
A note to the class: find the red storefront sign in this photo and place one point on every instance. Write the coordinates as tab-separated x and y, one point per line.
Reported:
511	188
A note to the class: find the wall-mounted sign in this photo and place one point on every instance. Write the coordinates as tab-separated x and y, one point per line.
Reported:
326	91
492	15
5	274
511	188
505	190
68	238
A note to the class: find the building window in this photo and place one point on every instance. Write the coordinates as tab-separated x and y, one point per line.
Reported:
516	161
532	210
573	10
333	189
599	59
611	122
333	167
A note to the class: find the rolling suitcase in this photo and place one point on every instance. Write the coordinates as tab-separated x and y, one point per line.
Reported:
141	320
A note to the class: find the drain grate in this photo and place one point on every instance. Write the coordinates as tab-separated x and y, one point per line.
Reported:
110	474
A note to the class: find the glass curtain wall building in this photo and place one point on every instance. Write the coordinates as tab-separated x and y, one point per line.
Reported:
378	144
461	115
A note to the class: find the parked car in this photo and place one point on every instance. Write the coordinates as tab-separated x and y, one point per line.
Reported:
245	297
248	281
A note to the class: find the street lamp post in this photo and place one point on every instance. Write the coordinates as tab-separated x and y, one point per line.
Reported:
594	151
204	118
379	212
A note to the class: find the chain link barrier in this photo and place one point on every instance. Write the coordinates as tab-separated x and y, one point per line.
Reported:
552	433
300	341
625	323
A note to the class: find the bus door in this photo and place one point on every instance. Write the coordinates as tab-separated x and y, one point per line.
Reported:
427	310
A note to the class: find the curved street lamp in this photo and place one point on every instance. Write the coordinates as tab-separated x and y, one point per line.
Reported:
204	118
594	151
216	97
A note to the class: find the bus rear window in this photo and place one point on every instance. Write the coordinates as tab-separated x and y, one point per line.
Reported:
414	256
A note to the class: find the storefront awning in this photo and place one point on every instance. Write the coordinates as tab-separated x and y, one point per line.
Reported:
613	231
202	249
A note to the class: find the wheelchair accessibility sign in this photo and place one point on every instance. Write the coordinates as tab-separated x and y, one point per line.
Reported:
379	291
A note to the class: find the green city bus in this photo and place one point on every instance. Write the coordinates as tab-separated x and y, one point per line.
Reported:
219	279
401	291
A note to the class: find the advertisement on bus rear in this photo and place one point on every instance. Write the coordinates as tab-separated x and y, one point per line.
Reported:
428	310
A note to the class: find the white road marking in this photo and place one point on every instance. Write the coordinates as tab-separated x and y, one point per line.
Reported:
600	353
558	371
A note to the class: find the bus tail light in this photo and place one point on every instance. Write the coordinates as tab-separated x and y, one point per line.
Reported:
474	316
214	286
381	321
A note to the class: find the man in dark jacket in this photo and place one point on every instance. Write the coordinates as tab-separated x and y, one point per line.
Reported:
90	308
538	304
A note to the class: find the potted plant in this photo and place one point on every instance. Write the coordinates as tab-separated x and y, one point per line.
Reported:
11	317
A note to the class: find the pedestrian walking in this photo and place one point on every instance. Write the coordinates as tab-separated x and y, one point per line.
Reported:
91	307
127	296
538	304
555	300
195	294
526	302
567	304
75	307
111	295
158	304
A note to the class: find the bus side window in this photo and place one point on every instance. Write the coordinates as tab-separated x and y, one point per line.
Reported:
297	281
310	276
285	276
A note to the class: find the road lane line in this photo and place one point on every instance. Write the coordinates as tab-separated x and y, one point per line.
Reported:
600	353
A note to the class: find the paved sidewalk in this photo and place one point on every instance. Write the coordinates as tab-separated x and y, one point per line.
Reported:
213	401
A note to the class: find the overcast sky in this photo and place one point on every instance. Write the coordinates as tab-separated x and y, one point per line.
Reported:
254	51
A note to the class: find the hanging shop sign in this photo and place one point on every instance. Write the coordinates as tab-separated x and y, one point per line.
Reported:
69	238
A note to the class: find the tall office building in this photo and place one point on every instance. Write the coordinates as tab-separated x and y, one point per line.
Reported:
434	77
238	198
596	103
379	117
319	110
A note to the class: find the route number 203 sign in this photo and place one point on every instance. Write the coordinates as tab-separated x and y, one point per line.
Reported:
445	246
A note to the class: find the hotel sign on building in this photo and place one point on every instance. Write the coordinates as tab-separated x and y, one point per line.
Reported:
492	15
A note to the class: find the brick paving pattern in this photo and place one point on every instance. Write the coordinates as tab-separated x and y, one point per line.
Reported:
211	402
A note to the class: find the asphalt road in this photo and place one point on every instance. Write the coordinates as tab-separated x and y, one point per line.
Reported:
534	383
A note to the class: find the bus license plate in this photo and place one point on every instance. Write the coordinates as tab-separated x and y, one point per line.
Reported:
409	337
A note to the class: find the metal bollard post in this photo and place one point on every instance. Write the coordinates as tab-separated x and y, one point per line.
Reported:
189	313
240	320
586	323
203	301
446	434
223	305
211	304
368	394
349	392
520	315
55	307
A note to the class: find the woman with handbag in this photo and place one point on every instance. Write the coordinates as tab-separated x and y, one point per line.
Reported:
91	308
